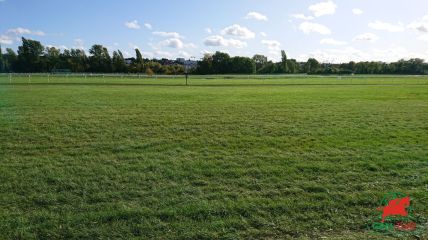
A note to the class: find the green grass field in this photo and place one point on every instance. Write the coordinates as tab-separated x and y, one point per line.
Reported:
309	158
213	80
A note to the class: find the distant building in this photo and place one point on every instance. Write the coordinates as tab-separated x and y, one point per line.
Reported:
180	60
187	63
191	63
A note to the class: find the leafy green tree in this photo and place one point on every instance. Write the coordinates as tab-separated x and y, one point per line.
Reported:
100	60
139	56
78	60
205	66
10	60
172	69
139	62
107	61
351	66
52	56
312	66
65	57
154	66
119	64
284	62
33	57
149	72
122	62
416	66
29	54
260	61
242	65
2	62
221	63
292	66
268	68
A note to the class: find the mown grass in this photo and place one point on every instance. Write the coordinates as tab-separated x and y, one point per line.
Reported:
204	162
213	80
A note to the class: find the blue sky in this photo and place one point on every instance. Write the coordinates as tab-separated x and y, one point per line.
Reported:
330	30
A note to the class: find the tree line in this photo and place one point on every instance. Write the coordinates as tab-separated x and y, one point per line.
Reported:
222	63
32	56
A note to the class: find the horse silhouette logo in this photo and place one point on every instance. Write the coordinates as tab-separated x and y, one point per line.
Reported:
396	214
395	207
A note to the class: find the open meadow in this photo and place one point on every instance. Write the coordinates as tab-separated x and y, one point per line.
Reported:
230	157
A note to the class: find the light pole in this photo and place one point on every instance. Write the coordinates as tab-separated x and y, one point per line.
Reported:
187	66
186	71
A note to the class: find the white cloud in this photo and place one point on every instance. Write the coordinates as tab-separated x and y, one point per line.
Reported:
274	55
366	37
420	25
163	54
172	43
5	40
235	43
256	16
133	46
38	33
184	54
151	55
208	30
168	34
63	47
148	26
132	25
25	31
19	31
357	11
323	8
331	41
190	45
272	44
379	25
263	34
217	40
302	17
423	37
238	31
147	54
79	44
310	27
126	54
203	52
390	54
214	41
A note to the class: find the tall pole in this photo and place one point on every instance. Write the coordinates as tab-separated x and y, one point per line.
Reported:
186	70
